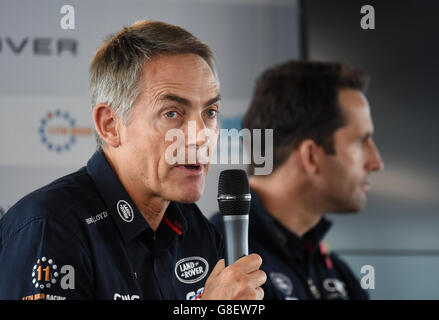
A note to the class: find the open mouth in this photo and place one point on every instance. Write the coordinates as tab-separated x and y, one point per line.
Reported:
194	167
191	169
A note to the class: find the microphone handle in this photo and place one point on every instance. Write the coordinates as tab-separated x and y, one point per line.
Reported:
236	237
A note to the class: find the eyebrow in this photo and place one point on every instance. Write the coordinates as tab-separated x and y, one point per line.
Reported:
213	100
186	102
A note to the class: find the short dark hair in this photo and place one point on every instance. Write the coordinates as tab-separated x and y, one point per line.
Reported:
299	100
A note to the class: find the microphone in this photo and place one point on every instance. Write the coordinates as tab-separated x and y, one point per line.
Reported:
234	205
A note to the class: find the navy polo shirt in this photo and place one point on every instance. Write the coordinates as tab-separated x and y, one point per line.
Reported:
82	237
297	267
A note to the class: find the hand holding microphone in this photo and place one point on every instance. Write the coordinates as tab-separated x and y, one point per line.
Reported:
238	276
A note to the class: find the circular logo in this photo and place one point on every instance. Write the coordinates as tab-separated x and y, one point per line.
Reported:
191	269
125	211
282	282
56	131
44	273
335	285
59	132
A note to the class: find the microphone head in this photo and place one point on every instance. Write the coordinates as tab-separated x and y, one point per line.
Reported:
233	192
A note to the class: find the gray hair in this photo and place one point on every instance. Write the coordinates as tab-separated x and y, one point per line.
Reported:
117	64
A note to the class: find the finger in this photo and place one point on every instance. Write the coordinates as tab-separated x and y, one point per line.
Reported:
248	264
256	278
259	293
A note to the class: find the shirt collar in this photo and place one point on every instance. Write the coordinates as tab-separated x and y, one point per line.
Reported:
278	233
124	211
173	224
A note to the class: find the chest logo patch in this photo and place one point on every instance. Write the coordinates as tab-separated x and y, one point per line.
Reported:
191	269
125	211
282	282
336	288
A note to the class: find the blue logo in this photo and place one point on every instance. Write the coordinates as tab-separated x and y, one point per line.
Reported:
59	132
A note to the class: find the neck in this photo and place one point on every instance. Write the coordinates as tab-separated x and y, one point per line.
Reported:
292	205
151	206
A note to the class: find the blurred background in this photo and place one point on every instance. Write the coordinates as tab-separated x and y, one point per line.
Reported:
46	125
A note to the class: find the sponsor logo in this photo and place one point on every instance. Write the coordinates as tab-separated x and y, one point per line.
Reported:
58	131
118	296
195	295
96	218
45	274
282	282
336	288
43	296
191	269
125	211
40	46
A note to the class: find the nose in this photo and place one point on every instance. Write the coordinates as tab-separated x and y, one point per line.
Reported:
194	136
375	162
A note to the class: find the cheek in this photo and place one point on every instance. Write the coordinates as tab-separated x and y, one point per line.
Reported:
340	174
145	145
354	163
142	145
349	174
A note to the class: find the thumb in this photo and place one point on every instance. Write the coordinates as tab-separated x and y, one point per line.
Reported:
220	266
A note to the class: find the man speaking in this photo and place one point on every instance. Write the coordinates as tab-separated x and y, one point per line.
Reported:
126	226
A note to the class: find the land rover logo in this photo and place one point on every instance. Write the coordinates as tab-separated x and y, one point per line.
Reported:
191	269
125	211
282	282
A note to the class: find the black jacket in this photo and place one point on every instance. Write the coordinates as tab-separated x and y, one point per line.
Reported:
82	237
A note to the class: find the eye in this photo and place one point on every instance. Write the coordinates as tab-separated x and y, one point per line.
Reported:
366	139
211	113
171	114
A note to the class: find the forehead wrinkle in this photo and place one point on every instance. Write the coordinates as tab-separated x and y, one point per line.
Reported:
156	82
183	66
178	94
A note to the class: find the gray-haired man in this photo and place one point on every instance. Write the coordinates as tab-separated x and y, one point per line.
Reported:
126	226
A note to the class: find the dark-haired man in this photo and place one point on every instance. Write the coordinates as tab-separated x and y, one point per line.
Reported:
323	156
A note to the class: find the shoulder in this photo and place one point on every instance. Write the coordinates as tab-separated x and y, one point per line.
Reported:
340	264
356	292
216	220
55	202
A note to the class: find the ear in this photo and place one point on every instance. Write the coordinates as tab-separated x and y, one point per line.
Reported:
106	124
311	156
